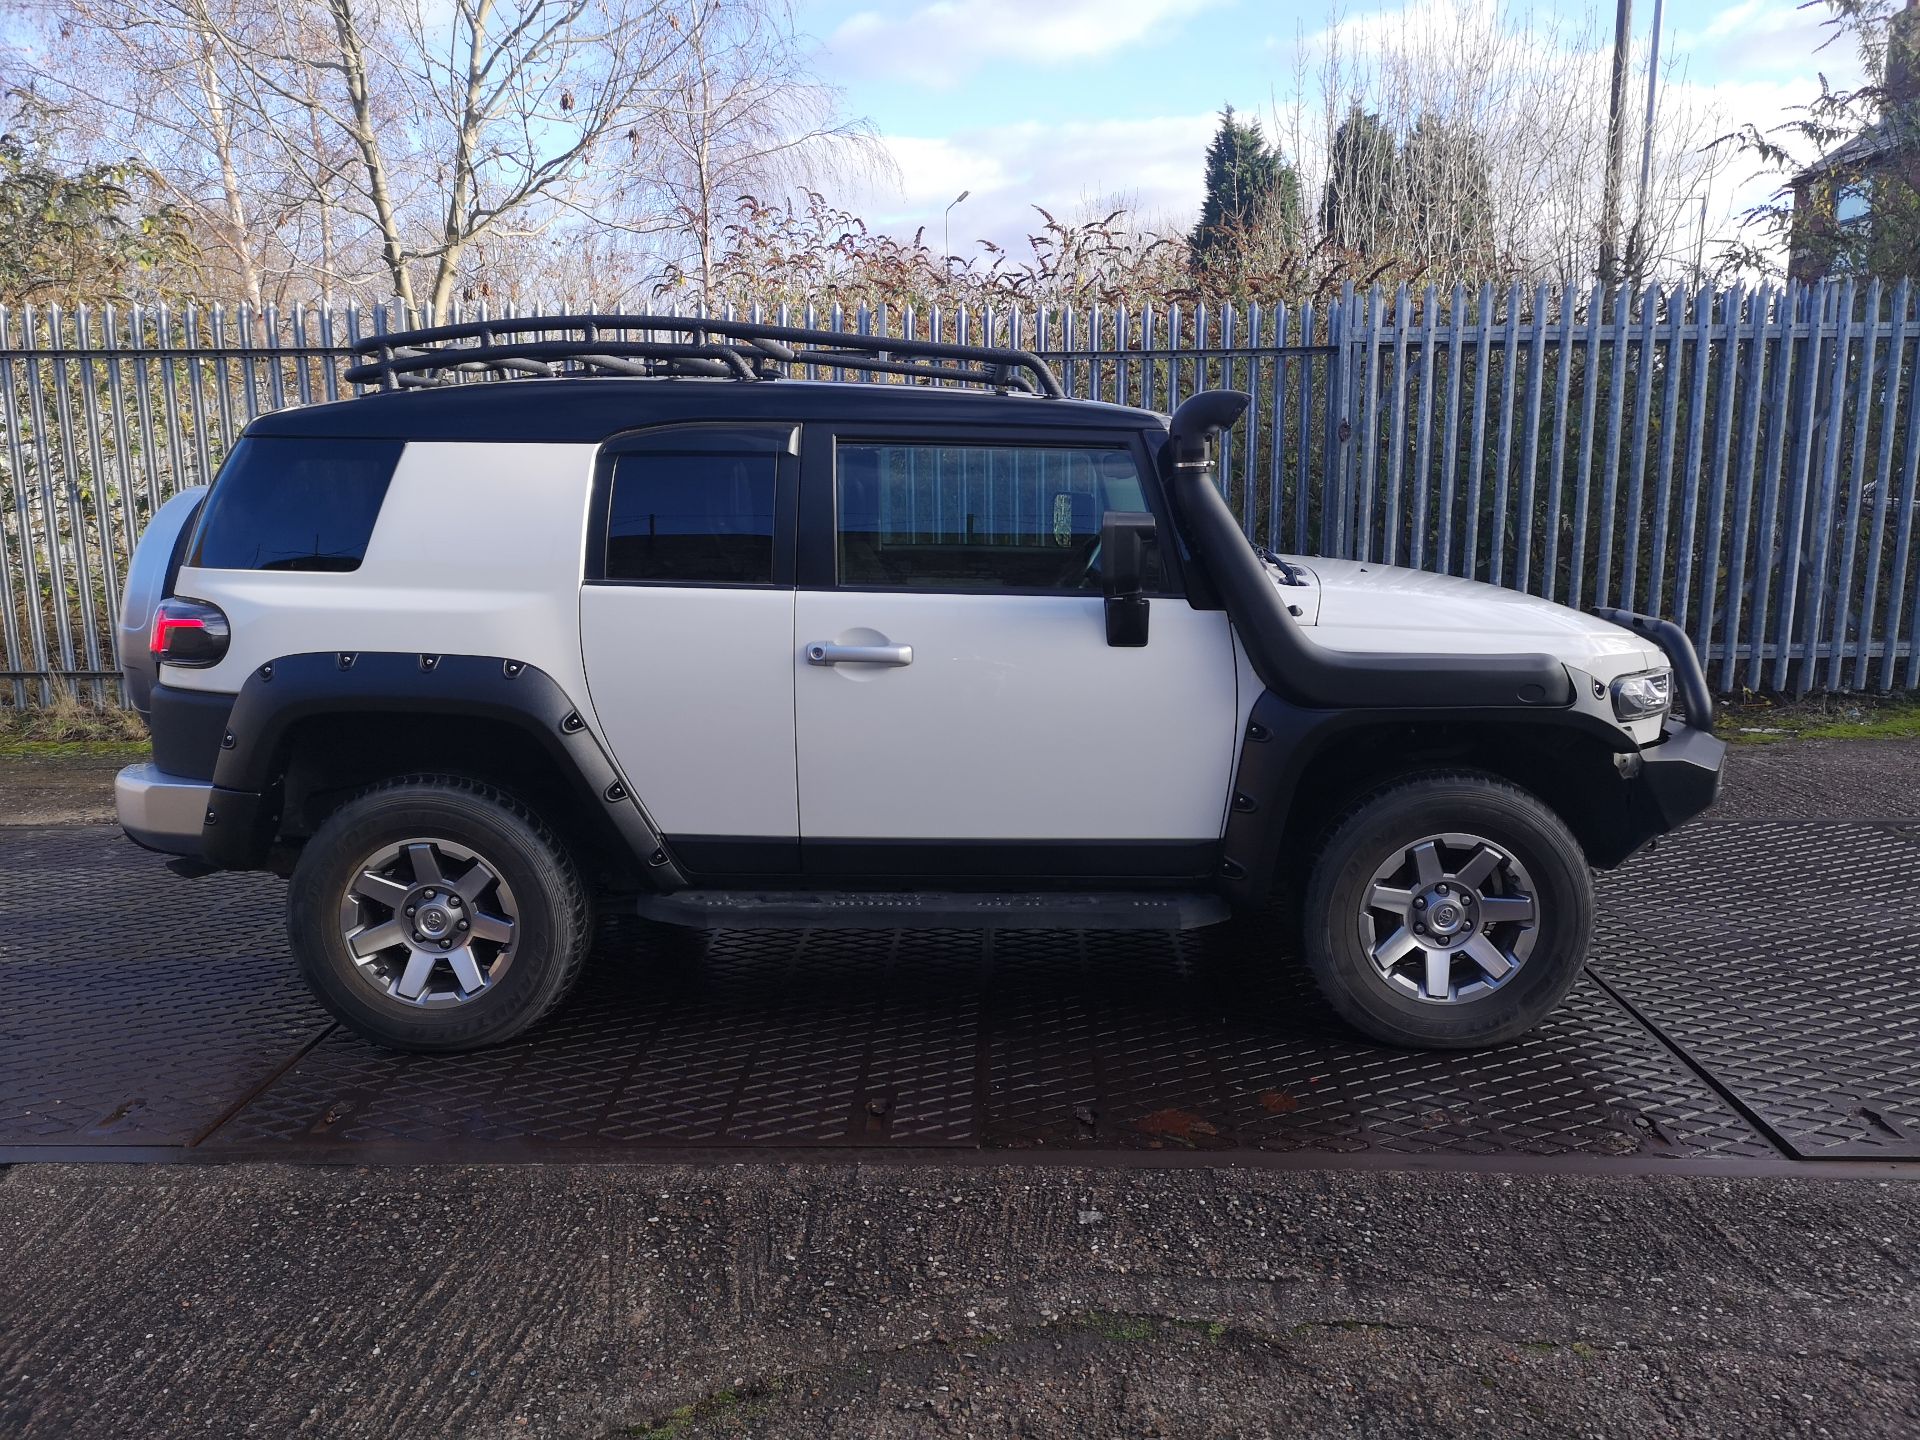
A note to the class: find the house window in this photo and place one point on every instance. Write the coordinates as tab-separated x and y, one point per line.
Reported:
1851	204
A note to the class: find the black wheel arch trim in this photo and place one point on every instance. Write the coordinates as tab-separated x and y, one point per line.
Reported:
1652	791
1288	662
243	814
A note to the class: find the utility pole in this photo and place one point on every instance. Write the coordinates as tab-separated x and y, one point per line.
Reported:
1636	242
1616	144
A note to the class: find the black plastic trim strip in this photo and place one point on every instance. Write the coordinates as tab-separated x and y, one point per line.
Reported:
1027	862
735	855
188	727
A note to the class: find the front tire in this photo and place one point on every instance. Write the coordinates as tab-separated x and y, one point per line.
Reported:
436	914
1448	911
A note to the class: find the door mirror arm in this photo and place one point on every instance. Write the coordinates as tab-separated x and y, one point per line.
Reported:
1124	537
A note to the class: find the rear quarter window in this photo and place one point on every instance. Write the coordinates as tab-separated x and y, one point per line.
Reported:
281	503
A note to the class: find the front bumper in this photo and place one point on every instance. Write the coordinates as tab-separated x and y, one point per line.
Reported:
160	811
1679	777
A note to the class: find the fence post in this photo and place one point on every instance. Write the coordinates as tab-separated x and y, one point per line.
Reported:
1882	490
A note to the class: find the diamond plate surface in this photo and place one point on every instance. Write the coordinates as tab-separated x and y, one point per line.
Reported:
1217	1040
140	1009
1781	958
136	1008
675	1037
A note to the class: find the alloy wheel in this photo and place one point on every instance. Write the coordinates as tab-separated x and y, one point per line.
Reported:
429	922
1449	918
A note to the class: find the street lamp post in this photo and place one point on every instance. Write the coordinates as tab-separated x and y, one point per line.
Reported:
946	227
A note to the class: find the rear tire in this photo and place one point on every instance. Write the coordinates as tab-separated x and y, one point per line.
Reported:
436	914
1448	911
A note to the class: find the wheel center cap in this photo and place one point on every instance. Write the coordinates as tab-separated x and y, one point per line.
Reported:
433	921
1445	915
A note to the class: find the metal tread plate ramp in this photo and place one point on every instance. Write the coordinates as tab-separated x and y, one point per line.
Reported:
1752	1002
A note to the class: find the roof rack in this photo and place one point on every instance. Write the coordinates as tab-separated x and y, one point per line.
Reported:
661	345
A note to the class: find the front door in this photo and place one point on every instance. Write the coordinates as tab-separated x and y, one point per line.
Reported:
957	707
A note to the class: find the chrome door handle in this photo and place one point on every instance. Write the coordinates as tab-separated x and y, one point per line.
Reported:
821	653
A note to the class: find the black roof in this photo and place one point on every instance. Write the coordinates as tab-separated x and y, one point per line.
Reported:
588	410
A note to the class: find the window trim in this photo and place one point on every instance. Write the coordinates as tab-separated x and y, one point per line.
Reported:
819	559
786	489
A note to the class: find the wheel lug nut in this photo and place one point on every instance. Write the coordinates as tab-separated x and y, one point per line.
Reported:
464	925
430	894
446	944
1420	902
411	909
1419	928
1440	888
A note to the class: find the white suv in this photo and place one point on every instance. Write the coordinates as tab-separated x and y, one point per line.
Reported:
648	624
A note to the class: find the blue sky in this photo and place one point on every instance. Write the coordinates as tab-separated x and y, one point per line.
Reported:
1064	102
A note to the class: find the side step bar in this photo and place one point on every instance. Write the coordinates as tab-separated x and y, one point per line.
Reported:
932	910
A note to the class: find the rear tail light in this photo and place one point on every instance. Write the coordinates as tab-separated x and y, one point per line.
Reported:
188	632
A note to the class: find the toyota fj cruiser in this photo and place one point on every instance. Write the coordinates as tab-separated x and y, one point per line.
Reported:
645	622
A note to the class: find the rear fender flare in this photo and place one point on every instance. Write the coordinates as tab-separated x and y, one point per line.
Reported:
242	815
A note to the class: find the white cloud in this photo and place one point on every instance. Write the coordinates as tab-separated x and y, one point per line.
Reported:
1155	166
1745	61
941	43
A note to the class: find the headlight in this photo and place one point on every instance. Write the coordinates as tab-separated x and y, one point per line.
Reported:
1643	696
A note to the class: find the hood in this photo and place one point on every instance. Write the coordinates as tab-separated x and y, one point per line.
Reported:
1354	605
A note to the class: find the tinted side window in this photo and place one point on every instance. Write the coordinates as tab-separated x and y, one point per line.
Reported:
980	517
287	504
692	519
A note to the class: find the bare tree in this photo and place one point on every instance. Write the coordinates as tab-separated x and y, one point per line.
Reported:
504	102
308	131
741	115
1477	137
148	78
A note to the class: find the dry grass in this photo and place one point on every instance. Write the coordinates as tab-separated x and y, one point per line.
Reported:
70	724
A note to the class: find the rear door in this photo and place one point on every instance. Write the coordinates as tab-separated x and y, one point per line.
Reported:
958	709
686	624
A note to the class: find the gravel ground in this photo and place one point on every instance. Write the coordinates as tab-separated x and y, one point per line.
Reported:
890	1301
58	789
1821	780
864	1300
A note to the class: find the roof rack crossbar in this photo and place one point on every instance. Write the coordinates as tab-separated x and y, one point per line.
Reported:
740	349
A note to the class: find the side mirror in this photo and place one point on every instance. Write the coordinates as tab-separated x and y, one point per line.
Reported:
1124	537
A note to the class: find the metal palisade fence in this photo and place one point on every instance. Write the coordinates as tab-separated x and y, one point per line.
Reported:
1740	460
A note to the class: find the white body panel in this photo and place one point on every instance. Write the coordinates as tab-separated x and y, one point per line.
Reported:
694	690
478	551
1015	721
